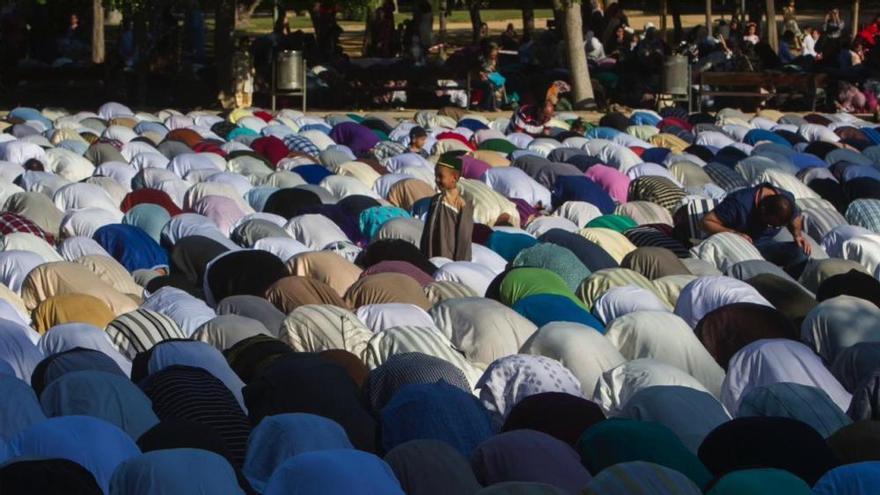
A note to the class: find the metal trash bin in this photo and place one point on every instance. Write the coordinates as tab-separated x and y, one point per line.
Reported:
289	71
676	75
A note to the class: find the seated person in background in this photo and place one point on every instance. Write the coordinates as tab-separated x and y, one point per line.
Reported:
811	37
450	221
417	139
751	35
533	119
509	39
788	48
758	214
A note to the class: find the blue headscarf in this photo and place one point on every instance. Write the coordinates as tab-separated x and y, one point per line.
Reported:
131	247
92	443
435	411
17	349
258	196
102	395
861	478
757	135
279	438
602	133
508	244
334	472
313	174
541	309
173	471
644	118
148	217
580	188
20	408
372	219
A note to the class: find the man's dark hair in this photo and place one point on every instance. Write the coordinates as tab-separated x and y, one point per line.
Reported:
417	131
34	165
776	210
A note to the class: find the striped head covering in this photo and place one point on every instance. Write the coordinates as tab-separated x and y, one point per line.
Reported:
140	330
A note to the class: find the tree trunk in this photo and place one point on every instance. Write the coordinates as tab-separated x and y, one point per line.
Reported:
772	35
244	12
664	11
476	20
224	44
582	87
559	16
709	16
528	15
856	13
97	32
442	11
678	30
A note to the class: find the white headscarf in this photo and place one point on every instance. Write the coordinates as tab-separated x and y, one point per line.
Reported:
769	361
511	379
705	294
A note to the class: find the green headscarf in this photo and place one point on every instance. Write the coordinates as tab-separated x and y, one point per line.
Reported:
624	440
761	482
617	223
557	259
524	282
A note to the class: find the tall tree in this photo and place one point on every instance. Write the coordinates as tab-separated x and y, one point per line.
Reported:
97	32
856	14
528	15
772	34
224	43
442	12
709	16
582	86
476	19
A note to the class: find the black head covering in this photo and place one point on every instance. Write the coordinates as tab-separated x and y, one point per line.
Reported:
615	120
853	283
729	328
407	368
862	188
176	281
701	118
286	202
244	272
767	442
729	156
175	433
831	191
77	359
557	414
394	250
701	152
47	477
308	383
191	255
249	357
858	442
590	254
866	399
820	148
193	394
855	364
356	204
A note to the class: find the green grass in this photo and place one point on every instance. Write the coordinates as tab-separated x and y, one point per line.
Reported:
262	24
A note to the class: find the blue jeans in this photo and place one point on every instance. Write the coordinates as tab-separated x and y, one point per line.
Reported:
788	255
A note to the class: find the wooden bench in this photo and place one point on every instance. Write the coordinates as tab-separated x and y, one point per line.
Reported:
761	85
374	82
